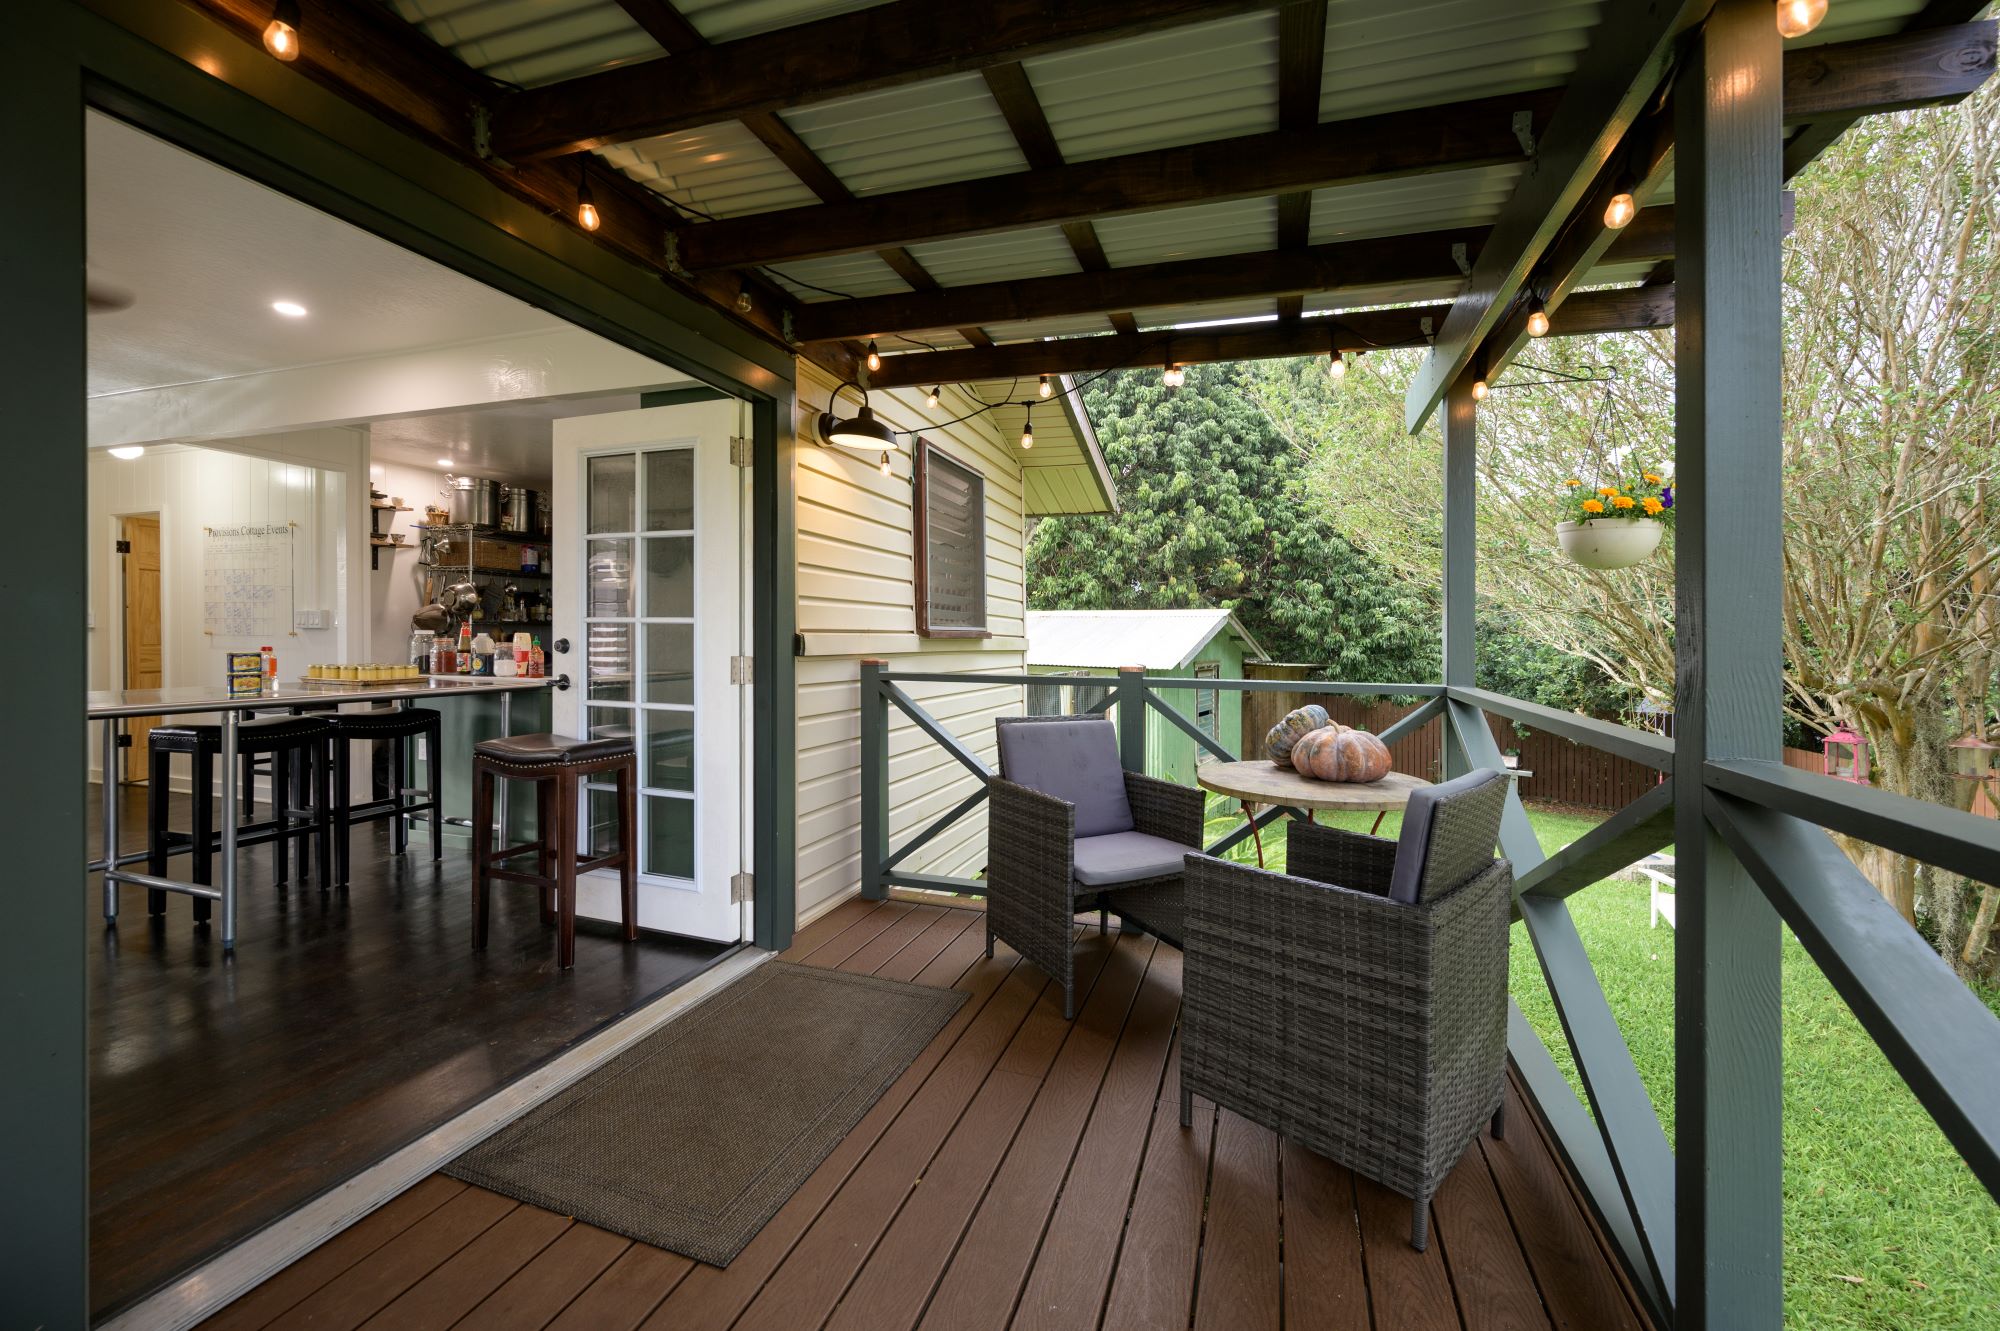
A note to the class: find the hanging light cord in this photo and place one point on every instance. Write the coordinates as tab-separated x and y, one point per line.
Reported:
1592	374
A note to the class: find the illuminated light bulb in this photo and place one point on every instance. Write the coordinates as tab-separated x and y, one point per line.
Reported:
1478	390
1173	376
743	302
931	398
1336	365
1538	318
1796	18
886	469
586	206
874	356
291	309
1044	388
127	452
281	34
1028	432
1618	214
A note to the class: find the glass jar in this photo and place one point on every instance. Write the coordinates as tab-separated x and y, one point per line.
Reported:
421	643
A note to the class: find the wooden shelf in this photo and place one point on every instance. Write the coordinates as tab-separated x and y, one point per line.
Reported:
390	508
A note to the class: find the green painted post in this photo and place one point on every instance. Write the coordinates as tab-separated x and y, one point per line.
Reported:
1461	497
1729	139
874	779
1131	707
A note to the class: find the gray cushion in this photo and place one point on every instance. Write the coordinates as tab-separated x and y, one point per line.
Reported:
1075	761
1414	847
1126	857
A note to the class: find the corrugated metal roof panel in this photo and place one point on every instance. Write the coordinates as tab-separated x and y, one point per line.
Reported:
849	274
532	42
1034	252
722	170
1388	55
922	134
1236	227
1250	310
1851	20
1033	330
1107	639
1208	81
1415	203
725	20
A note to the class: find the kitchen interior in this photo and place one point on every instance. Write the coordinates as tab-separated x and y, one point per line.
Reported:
321	485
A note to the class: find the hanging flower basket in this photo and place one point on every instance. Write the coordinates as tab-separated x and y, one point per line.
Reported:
1607	543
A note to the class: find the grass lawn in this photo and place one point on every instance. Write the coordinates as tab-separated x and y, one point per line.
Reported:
1885	1227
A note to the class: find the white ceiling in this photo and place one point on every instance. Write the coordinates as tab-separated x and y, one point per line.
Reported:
509	441
205	251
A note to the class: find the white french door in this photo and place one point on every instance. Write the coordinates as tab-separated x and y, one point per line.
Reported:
649	578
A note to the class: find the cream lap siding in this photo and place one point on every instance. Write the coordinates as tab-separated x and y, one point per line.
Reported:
856	599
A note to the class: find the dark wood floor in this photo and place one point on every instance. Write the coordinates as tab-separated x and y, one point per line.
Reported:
224	1094
1025	1172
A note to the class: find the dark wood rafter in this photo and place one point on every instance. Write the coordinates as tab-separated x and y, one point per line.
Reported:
1621	310
1015	94
1450	137
1823	85
1409	267
1615	79
666	25
1301	67
883	46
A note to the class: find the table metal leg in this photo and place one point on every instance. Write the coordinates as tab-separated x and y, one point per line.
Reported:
110	819
506	729
230	744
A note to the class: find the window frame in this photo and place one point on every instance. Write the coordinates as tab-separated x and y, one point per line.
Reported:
926	454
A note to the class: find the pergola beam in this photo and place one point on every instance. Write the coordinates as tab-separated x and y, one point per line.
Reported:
1450	137
1622	310
883	46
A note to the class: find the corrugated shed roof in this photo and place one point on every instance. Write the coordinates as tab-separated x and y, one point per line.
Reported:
1108	639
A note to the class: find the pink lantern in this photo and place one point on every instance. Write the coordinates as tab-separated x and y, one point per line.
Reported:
1846	756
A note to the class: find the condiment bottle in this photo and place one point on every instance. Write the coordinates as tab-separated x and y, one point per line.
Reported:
270	655
465	648
537	663
482	655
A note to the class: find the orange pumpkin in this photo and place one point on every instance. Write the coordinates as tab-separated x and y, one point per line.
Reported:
1340	753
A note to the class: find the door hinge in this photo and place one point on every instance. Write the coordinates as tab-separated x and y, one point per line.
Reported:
741	451
124	547
740	670
742	887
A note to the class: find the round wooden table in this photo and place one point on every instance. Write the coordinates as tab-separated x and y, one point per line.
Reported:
1261	781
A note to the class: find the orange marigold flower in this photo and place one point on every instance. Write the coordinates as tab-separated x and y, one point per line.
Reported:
1572	481
1651	479
1607	490
1593	506
1622	501
1652	506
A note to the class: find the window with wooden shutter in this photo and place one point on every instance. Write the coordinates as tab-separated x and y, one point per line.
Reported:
950	534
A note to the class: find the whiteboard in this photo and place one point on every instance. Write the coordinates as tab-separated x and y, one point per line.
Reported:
246	580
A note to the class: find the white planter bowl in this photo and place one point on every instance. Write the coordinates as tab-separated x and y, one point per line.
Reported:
1606	543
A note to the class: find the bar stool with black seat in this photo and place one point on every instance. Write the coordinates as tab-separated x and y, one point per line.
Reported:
398	726
557	764
283	738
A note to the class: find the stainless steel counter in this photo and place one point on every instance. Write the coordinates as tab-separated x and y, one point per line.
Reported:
103	703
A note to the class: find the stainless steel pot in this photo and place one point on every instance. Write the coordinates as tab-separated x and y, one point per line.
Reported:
475	500
544	513
517	509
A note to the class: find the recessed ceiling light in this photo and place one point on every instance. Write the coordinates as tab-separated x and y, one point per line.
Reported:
291	309
126	452
445	462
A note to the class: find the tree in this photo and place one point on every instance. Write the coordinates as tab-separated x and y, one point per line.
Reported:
1218	509
1891	448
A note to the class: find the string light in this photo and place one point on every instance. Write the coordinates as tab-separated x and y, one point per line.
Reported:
886	468
1336	366
874	356
743	301
1173	376
1044	388
1618	213
1538	317
931	398
1796	18
586	206
281	34
1478	390
1028	427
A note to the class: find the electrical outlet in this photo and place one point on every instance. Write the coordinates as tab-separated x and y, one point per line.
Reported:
308	619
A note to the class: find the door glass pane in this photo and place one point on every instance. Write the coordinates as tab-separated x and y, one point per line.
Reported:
609	580
611	722
610	663
670	490
611	486
669	836
670	663
670	750
602	835
670	576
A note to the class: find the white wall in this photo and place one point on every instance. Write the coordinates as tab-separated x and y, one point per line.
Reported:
856	598
396	589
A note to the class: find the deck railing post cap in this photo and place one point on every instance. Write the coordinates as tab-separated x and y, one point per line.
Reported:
1131	670
874	661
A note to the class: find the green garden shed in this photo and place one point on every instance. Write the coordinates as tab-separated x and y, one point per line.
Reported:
1201	644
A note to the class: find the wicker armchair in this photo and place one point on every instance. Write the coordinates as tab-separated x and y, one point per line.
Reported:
1067	828
1358	1004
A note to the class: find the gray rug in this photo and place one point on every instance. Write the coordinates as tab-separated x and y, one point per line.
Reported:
693	1138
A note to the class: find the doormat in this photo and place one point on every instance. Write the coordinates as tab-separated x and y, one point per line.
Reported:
693	1138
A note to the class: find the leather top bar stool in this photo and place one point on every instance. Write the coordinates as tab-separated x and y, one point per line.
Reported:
557	764
397	725
283	738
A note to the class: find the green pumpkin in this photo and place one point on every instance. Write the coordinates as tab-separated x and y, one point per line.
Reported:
1295	726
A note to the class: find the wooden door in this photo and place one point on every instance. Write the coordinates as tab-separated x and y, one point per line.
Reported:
140	559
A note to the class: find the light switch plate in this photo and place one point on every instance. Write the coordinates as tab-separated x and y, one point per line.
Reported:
308	619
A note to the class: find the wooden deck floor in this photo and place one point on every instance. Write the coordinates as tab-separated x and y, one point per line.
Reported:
1026	1172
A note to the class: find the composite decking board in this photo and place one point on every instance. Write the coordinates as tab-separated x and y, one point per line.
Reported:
263	1305
827	926
805	1289
625	1291
1067	1265
1576	1279
857	935
1153	1284
1240	1284
715	1297
535	1295
1038	1085
924	949
1488	1268
870	958
1409	1290
465	1278
1324	1285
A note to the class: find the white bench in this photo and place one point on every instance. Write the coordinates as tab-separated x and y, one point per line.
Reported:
1658	870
